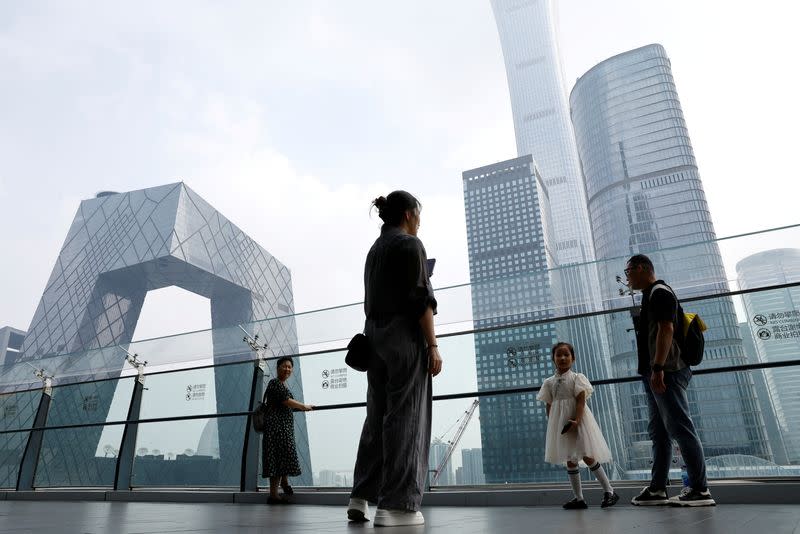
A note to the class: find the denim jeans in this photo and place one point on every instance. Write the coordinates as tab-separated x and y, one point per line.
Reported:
670	419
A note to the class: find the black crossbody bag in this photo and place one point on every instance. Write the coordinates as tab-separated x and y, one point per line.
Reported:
359	353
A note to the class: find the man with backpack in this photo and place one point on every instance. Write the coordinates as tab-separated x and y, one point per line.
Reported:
666	376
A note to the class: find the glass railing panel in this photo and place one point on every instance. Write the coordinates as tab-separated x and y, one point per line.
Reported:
83	456
762	258
512	430
323	329
189	453
333	436
12	447
456	455
736	415
729	425
195	392
328	380
17	410
78	457
90	402
191	349
742	435
203	391
745	434
96	364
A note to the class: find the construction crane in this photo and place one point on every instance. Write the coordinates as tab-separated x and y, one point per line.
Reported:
462	422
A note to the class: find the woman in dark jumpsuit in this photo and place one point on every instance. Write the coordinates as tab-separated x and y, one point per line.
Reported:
392	462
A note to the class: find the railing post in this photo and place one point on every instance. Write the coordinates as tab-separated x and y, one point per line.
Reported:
127	448
249	475
27	468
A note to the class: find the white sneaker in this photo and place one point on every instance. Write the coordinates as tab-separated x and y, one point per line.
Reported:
396	518
358	510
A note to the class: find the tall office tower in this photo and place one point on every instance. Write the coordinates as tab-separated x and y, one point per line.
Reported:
472	467
437	452
540	109
460	476
645	196
10	344
774	318
510	247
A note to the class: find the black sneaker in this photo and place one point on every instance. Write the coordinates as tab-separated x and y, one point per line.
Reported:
650	497
692	497
575	504
609	499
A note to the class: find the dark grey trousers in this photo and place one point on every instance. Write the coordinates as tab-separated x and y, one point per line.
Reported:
392	462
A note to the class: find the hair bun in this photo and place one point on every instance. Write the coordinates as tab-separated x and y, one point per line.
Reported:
392	207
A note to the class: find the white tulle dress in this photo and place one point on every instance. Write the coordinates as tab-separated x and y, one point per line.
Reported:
560	391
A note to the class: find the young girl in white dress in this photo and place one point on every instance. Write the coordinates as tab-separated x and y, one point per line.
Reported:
572	432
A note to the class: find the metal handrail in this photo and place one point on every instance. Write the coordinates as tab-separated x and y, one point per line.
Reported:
451	396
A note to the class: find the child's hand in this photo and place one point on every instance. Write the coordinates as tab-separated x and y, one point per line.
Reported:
574	424
571	425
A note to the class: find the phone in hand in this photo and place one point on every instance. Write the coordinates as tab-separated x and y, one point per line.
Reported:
566	427
431	263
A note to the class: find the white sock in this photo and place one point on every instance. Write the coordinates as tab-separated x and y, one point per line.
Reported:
575	481
600	474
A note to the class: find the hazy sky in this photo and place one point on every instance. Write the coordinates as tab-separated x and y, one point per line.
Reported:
290	117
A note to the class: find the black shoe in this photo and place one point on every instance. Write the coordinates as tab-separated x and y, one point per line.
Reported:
692	497
287	489
609	499
277	500
650	497
575	504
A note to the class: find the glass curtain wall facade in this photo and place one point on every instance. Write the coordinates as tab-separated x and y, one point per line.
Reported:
122	245
645	196
774	321
540	110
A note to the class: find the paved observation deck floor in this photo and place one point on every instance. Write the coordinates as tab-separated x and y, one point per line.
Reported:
150	518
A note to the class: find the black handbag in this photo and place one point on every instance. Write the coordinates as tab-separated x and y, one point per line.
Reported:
260	417
359	353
